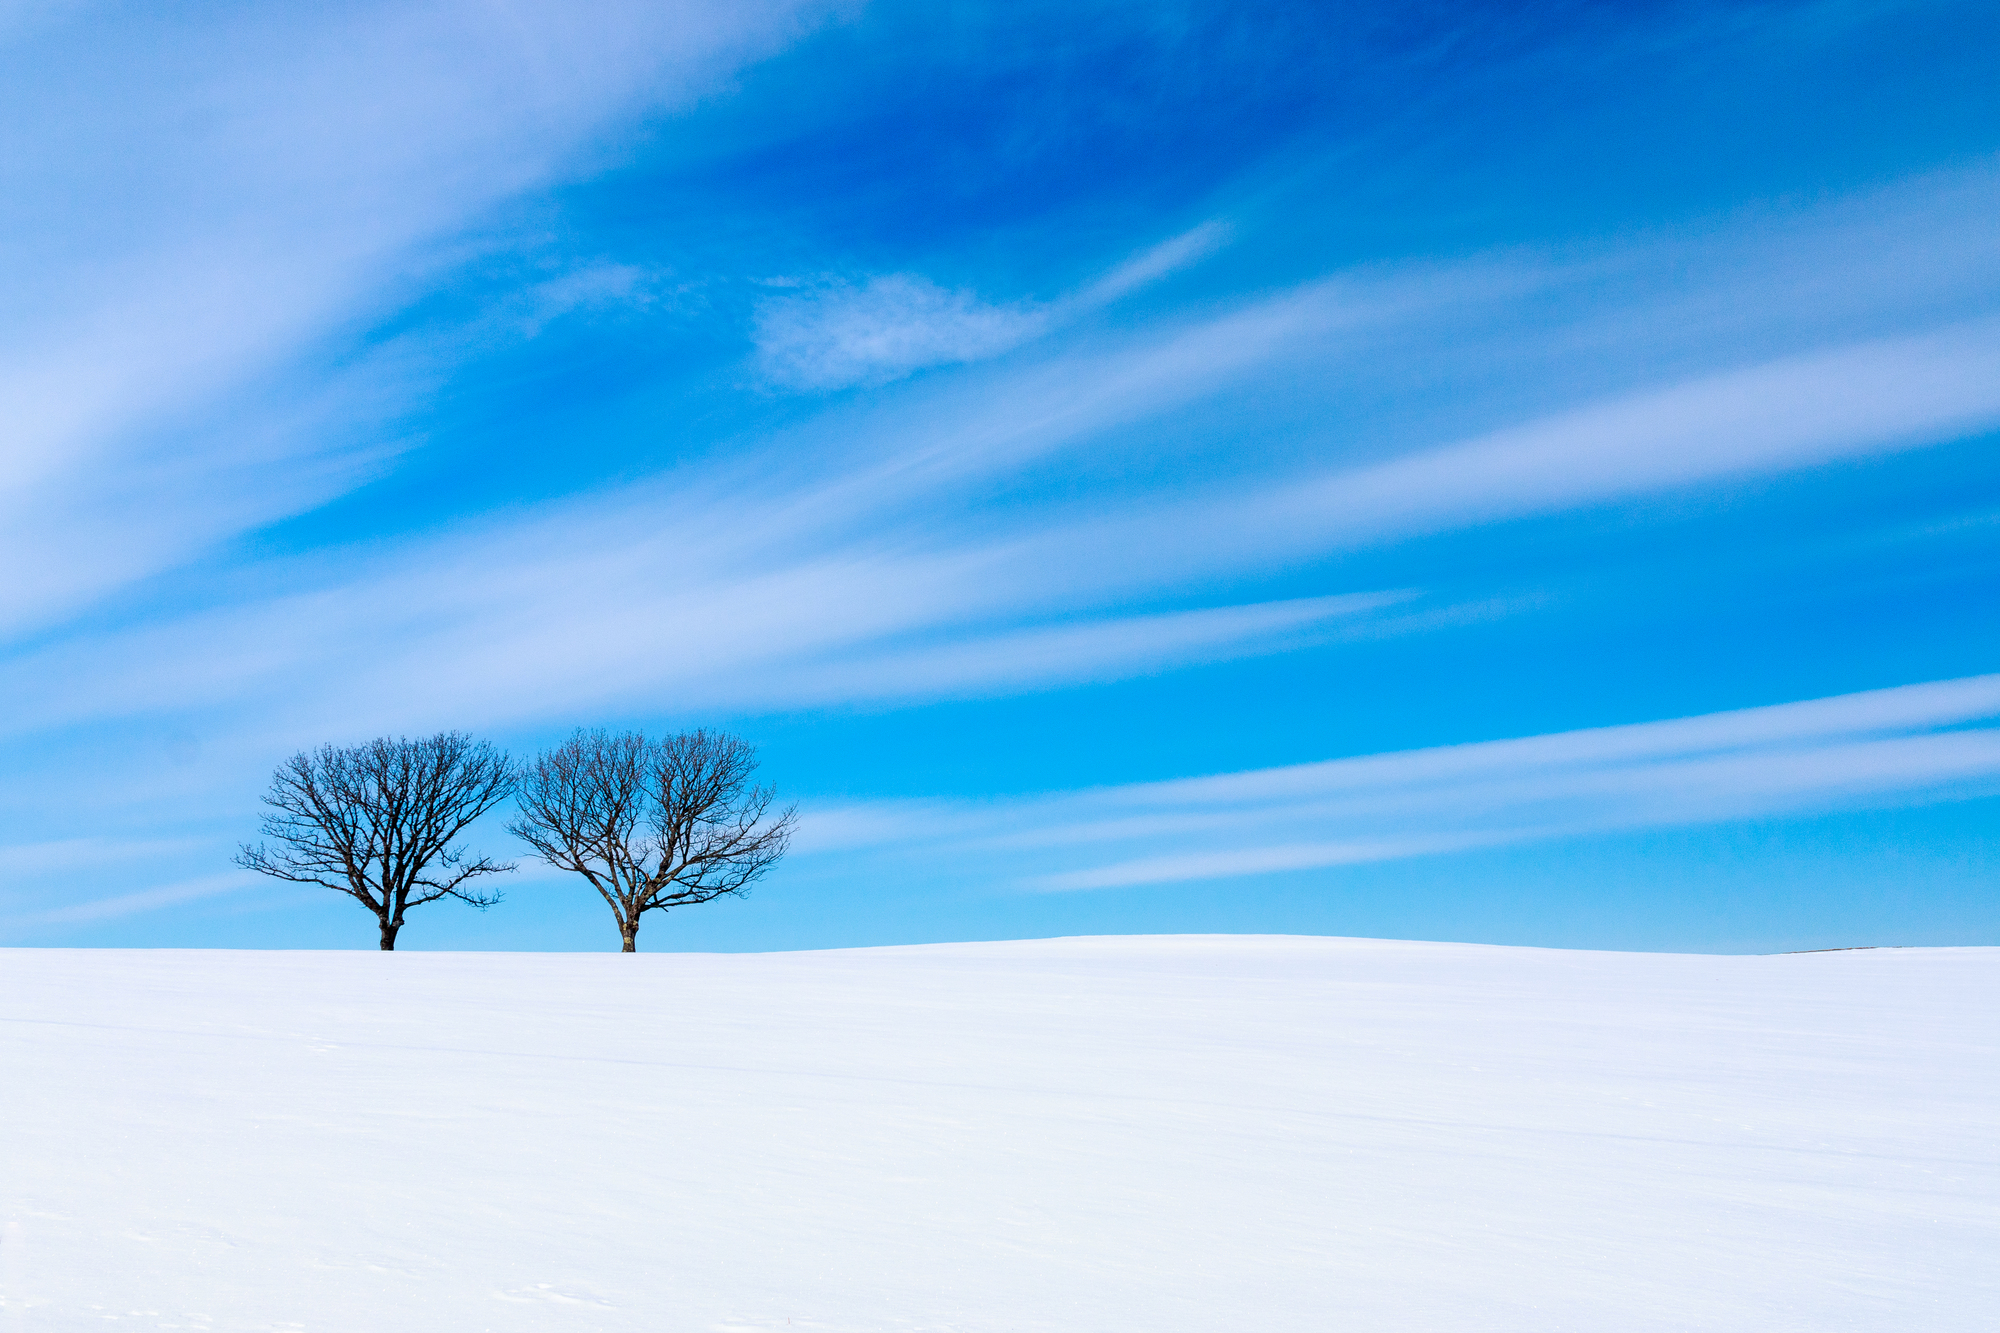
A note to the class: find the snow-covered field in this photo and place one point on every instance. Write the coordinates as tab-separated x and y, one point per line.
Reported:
1146	1134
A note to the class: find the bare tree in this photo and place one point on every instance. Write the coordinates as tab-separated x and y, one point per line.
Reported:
652	824
377	822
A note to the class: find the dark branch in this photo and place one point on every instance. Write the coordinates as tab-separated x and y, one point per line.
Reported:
652	824
379	822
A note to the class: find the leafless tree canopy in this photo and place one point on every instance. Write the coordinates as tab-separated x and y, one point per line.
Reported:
652	824
377	822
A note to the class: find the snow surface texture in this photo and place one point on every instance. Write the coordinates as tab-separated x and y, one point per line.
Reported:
1157	1134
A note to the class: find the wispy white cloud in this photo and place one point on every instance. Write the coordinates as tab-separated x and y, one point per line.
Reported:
1798	411
1093	649
1883	747
141	900
837	334
833	334
586	287
31	858
1867	399
853	559
853	563
1169	256
207	199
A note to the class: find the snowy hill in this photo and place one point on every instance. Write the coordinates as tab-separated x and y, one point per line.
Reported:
1185	1134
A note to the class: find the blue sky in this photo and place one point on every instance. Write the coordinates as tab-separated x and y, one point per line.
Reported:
1522	473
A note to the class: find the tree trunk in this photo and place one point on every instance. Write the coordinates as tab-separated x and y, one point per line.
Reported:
389	929
631	935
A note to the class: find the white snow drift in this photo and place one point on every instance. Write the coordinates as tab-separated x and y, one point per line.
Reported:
1151	1134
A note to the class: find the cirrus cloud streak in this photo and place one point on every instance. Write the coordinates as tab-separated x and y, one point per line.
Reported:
1890	747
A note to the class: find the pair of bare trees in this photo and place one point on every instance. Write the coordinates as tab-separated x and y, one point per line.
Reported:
651	824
